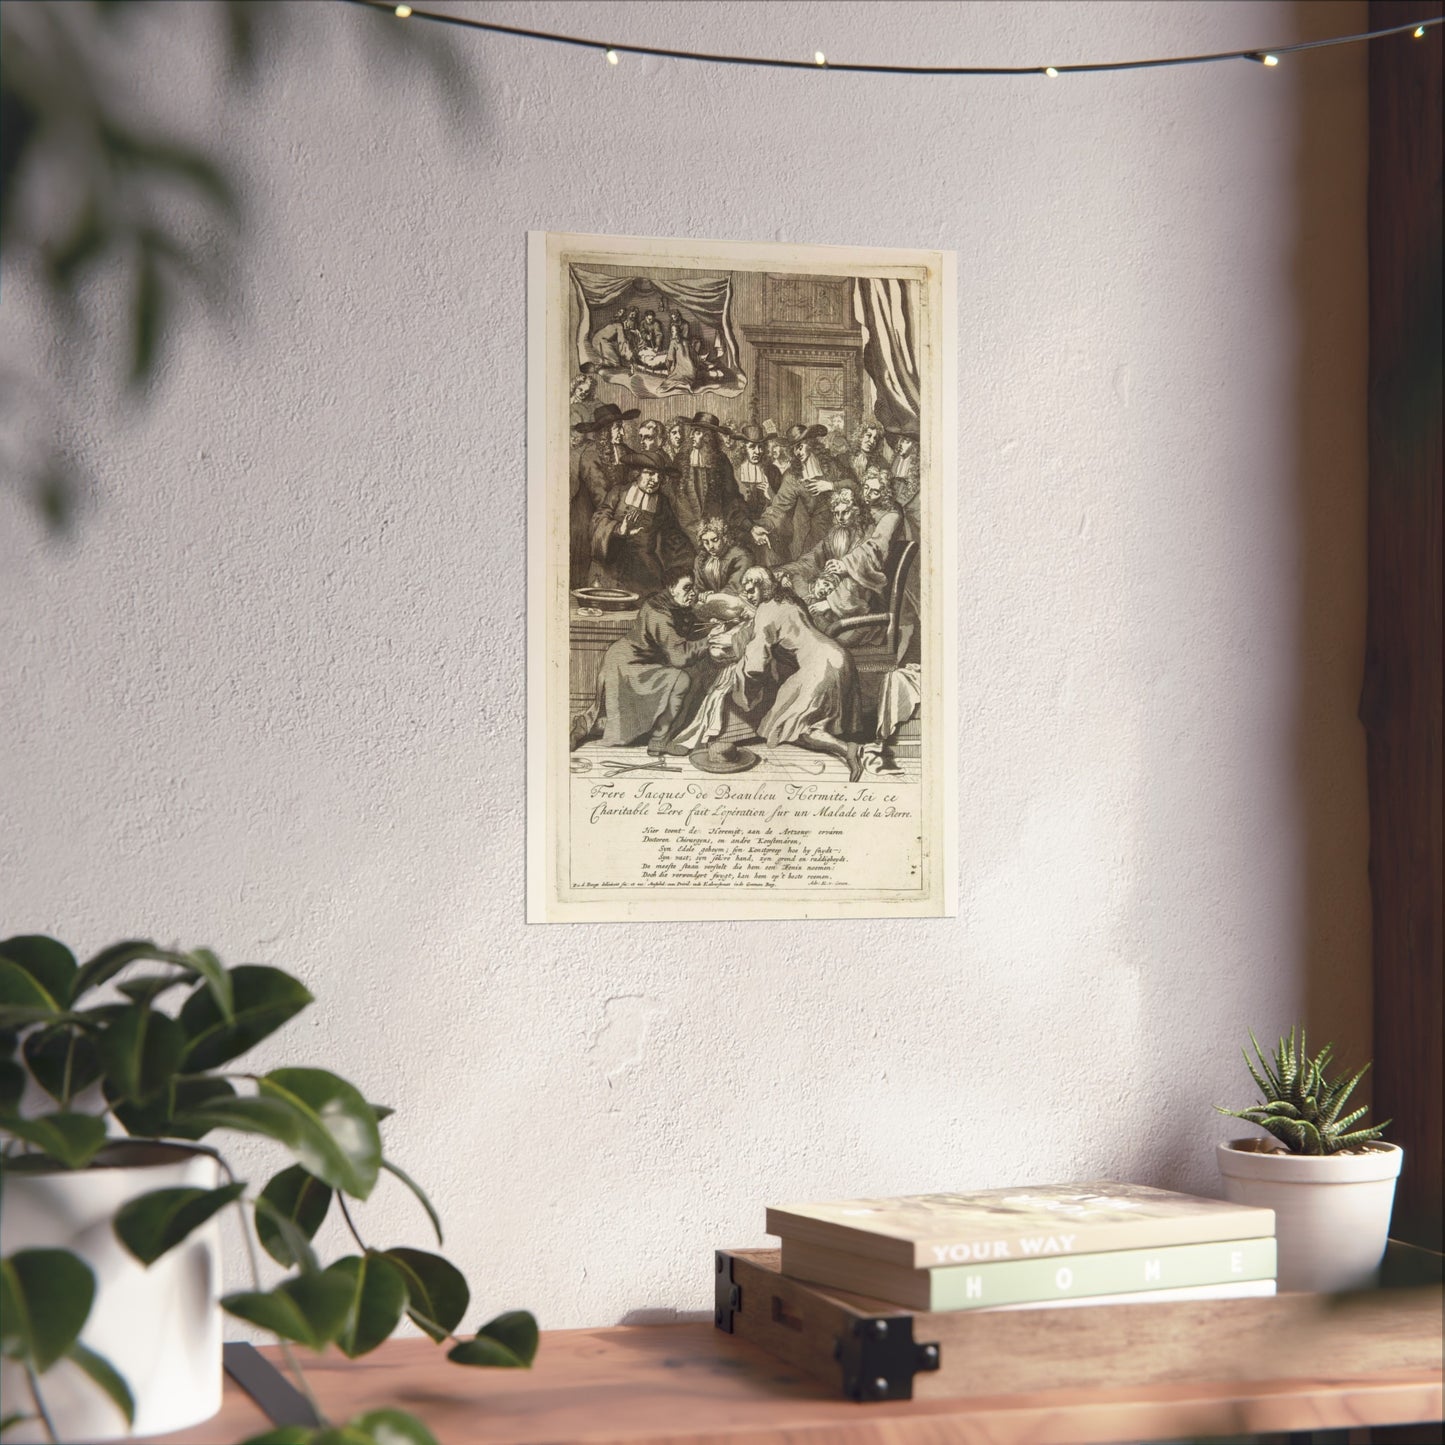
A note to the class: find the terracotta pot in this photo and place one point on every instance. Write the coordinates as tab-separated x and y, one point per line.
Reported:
1331	1211
160	1327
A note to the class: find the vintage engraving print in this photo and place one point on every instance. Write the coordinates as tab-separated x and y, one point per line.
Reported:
740	580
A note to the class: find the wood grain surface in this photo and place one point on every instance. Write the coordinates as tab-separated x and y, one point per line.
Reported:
669	1384
1275	1340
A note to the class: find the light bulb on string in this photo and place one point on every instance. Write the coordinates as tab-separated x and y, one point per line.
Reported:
1260	57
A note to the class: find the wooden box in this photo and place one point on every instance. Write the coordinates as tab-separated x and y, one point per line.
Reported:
871	1350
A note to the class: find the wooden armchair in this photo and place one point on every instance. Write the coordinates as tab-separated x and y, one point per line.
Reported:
873	659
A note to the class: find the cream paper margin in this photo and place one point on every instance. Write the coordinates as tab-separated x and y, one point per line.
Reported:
550	895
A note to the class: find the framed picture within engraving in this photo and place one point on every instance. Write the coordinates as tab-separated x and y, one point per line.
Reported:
740	580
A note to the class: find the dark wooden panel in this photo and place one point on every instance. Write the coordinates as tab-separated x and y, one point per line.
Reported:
1400	703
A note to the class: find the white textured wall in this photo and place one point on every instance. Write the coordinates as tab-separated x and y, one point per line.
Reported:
270	696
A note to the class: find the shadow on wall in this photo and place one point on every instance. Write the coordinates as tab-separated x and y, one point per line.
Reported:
90	188
1311	736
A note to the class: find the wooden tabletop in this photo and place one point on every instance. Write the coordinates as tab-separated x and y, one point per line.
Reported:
670	1384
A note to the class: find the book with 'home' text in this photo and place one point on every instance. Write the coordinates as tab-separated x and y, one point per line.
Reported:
1035	1281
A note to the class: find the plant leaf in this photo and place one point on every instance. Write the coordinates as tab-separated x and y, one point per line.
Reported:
104	1374
437	1293
378	1296
264	998
280	1116
46	1053
296	1243
187	1094
46	1296
148	989
310	1310
392	1427
151	1224
416	1189
269	1117
50	964
507	1342
195	1091
109	962
179	161
298	1197
141	1051
14	1323
11	1421
210	968
23	999
73	1139
340	1143
148	315
284	1435
12	1086
1360	1136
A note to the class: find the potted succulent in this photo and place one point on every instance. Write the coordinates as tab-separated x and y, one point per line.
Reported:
113	1086
1331	1185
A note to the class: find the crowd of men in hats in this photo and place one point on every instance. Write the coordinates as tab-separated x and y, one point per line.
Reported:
805	524
643	495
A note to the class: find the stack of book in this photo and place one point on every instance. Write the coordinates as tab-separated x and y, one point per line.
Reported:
1031	1247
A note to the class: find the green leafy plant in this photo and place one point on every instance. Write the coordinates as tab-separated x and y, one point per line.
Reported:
1301	1107
162	1074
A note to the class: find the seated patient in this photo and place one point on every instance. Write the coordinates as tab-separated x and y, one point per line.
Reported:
720	562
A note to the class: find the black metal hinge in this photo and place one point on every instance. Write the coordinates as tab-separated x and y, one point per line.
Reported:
727	1296
880	1358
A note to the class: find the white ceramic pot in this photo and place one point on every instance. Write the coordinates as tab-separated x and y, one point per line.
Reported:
1331	1211
160	1327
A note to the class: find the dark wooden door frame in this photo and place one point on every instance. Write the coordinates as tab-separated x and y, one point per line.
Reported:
1401	696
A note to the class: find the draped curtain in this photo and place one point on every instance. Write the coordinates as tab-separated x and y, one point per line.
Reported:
887	310
706	302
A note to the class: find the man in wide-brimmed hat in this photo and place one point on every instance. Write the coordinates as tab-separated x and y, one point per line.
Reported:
599	469
757	477
798	516
707	485
635	534
903	471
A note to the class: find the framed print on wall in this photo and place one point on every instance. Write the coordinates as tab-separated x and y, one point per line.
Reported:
740	580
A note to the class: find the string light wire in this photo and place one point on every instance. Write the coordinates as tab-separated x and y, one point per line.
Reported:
1260	54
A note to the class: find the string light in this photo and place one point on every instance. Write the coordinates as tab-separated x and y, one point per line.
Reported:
1260	56
612	57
